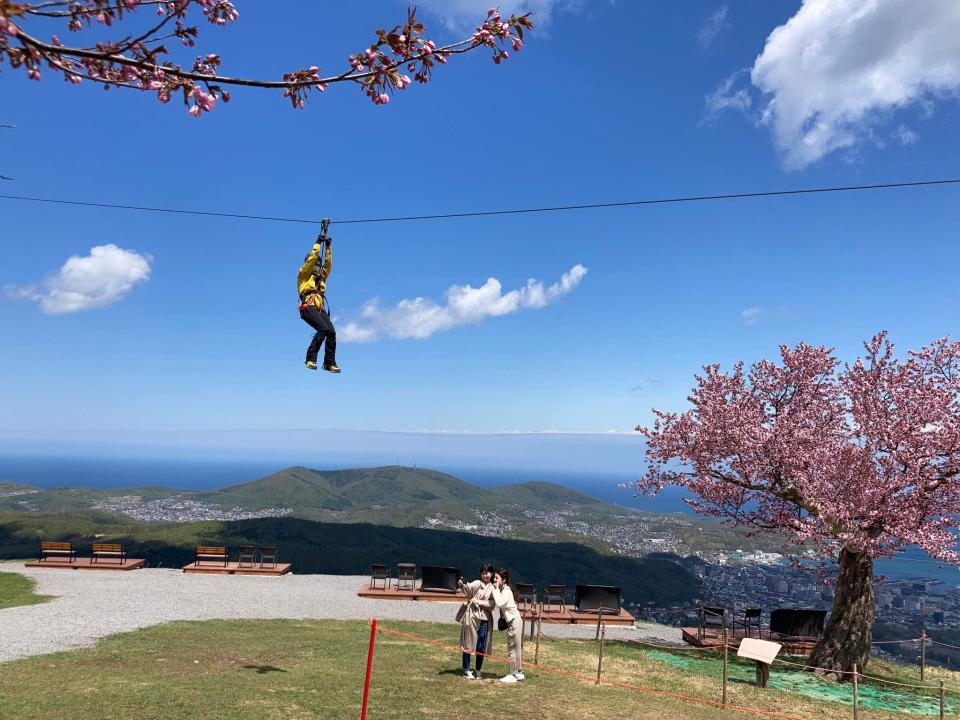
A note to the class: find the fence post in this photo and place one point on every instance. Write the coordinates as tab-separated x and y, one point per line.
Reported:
923	653
941	700
366	682
599	618
723	699
603	635
536	652
856	693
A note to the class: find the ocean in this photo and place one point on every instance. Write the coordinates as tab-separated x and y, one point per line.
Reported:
102	473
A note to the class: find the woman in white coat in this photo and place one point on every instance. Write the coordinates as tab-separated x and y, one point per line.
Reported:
503	597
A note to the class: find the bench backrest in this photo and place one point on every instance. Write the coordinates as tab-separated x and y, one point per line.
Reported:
797	622
45	545
211	550
107	547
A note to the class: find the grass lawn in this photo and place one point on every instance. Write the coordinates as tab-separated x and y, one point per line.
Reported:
246	670
16	590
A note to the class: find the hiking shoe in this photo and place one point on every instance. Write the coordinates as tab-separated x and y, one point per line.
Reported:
331	368
519	676
511	678
311	364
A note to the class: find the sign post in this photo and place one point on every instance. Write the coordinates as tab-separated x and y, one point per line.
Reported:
762	652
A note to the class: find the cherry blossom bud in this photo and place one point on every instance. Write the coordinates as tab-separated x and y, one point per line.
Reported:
383	98
56	41
194	111
33	73
225	96
491	12
313	70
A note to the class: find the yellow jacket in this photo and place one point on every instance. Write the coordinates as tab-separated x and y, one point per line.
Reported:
307	283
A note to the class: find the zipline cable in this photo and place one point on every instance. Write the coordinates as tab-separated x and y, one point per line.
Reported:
488	213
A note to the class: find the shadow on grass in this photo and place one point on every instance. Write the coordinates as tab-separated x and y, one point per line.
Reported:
263	669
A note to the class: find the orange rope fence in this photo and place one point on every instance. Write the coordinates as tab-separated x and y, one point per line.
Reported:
756	712
874	678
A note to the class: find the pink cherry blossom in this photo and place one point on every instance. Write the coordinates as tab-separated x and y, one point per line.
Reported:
149	62
856	461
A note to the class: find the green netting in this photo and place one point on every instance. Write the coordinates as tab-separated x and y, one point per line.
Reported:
872	697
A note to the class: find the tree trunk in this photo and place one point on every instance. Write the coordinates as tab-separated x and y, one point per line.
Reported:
846	638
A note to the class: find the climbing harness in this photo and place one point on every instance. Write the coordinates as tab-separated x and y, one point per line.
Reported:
307	299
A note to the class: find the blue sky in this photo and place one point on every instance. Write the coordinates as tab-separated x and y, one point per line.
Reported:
608	101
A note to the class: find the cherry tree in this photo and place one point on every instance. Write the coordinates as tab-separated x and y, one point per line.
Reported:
854	461
141	59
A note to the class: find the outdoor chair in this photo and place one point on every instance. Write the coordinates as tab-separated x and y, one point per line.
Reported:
526	594
749	618
268	555
247	556
711	618
406	576
556	593
379	572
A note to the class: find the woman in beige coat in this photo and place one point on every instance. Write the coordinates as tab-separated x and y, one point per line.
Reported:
476	624
503	597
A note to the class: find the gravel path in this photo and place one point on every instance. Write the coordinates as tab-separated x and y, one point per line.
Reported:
91	604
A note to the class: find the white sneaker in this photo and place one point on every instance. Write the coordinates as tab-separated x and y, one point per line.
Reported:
519	676
468	674
511	678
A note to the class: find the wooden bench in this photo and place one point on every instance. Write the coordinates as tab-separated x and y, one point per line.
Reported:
211	553
58	549
108	550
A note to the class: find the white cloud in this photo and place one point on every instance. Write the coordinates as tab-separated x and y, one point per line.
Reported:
461	15
906	136
838	69
421	317
750	316
715	25
728	97
103	277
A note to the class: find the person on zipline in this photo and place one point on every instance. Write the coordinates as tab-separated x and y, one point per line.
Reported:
312	287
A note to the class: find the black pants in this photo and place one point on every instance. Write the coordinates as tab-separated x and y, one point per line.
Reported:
320	321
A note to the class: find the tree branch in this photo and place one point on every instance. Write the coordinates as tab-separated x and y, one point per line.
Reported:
30	41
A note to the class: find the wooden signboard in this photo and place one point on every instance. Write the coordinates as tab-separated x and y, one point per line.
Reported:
762	652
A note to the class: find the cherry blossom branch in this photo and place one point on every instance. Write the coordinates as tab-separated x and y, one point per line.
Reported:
141	62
